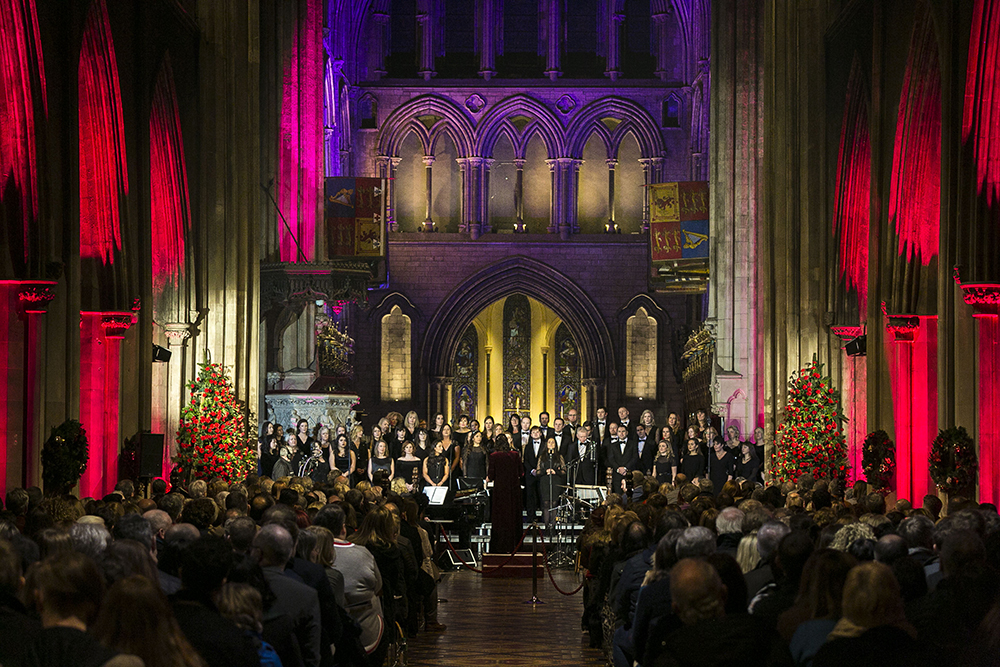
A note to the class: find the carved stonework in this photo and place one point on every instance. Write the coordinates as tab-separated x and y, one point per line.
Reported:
35	296
566	103
330	281
847	332
983	297
177	333
327	409
475	103
902	328
116	324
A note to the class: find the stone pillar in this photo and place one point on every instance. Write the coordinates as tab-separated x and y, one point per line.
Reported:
484	195
428	220
425	34
386	168
553	23
615	21
572	176
178	334
489	19
611	226
380	47
647	180
662	47
466	207
519	195
555	198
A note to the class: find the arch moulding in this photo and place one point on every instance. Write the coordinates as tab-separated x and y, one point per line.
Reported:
518	275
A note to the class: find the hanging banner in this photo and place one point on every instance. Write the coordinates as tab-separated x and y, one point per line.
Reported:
678	220
353	213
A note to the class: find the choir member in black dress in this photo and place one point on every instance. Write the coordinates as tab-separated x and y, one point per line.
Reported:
267	449
422	447
434	432
693	463
474	460
514	431
452	450
747	464
648	422
411	422
551	476
488	434
323	437
344	458
380	460
361	453
408	467
436	467
664	465
460	433
732	439
720	465
304	440
758	445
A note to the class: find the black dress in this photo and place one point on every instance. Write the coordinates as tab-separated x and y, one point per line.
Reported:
409	471
749	471
719	470
475	465
693	465
549	485
435	468
342	461
267	458
663	469
381	463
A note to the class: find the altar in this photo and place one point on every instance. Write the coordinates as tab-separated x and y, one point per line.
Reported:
325	409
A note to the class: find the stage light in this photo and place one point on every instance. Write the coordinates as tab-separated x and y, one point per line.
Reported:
857	347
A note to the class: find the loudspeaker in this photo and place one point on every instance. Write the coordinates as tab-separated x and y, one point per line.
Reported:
150	455
857	347
161	353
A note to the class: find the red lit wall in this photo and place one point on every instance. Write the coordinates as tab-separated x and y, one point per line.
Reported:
103	173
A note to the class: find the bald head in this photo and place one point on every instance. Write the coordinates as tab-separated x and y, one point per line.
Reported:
890	548
274	546
159	520
180	532
698	592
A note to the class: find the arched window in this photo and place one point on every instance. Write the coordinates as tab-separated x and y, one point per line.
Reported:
516	356
368	112
396	356
640	355
568	373
466	392
672	108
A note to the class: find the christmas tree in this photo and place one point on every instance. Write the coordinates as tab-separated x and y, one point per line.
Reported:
212	438
809	441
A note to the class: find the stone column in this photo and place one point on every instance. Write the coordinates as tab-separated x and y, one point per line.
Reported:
615	21
555	198
553	22
612	226
386	168
484	195
428	220
178	334
662	47
488	19
466	207
647	180
380	47
519	195
425	32
572	175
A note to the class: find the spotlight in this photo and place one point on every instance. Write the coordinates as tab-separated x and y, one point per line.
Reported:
161	353
857	347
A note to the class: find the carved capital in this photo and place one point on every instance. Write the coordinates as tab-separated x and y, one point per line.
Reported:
116	324
35	296
902	328
428	160
847	332
983	297
177	333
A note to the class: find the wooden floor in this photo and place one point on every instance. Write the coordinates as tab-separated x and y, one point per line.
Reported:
489	624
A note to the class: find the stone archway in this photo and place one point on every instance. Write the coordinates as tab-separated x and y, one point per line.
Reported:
520	275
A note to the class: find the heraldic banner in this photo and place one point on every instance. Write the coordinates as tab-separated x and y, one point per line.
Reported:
353	210
678	220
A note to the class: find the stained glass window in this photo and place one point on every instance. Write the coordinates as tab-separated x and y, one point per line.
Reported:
466	383
516	356
568	372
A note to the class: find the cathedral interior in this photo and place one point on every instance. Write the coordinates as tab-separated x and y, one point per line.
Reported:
453	206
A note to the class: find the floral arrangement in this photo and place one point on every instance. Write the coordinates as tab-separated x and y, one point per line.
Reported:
878	460
809	440
64	457
953	463
212	437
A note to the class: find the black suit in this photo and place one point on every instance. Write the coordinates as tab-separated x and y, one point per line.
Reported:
647	454
300	603
563	443
619	456
530	458
216	639
547	432
629	424
586	471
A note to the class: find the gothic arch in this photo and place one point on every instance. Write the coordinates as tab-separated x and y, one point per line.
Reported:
545	123
633	117
532	278
404	119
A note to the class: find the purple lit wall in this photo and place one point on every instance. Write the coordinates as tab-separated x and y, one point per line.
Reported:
300	148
